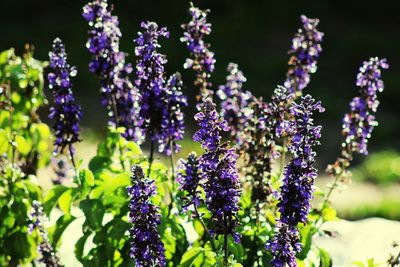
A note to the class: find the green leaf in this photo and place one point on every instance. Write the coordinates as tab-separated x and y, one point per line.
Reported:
306	234
56	231
329	213
190	256
325	258
23	146
4	141
52	198
98	163
86	179
80	246
94	212
66	199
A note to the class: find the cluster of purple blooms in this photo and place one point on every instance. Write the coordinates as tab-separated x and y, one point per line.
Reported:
48	256
234	102
202	60
298	181
218	171
189	179
147	248
65	111
304	52
108	63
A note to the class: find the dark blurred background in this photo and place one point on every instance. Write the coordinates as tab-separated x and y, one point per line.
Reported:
254	34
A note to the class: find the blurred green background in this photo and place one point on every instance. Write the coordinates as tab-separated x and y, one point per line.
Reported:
254	34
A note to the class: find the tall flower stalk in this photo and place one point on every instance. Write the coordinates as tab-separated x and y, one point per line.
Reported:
304	53
66	113
359	123
108	63
48	255
298	182
201	59
220	175
147	248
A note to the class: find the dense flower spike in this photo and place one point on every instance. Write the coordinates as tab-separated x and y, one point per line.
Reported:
218	170
118	94
299	175
202	59
150	80
147	248
65	111
234	102
304	53
48	256
281	125
172	125
359	123
189	179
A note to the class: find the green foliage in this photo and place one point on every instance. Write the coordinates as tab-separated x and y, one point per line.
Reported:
386	208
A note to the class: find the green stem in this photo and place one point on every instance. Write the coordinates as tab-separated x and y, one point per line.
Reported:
171	192
151	158
225	242
204	226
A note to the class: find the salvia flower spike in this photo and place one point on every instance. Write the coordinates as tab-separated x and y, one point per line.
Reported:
201	59
304	53
147	248
48	256
219	172
65	112
234	102
298	181
150	80
119	96
172	124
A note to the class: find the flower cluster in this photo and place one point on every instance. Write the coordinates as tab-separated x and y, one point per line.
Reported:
189	179
60	168
48	256
299	176
280	117
234	102
202	59
218	170
118	94
359	123
173	126
65	111
304	53
147	248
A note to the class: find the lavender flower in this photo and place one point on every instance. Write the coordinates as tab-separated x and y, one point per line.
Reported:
202	59
146	246
359	123
48	256
65	111
189	179
299	176
173	126
234	102
108	63
304	53
281	125
60	168
218	170
151	80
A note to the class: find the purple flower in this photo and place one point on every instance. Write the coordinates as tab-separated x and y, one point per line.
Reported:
299	175
359	123
218	170
189	180
304	53
65	111
147	248
151	80
234	102
172	125
281	124
202	59
48	256
118	94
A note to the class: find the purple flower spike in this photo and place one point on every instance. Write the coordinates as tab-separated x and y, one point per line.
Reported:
48	256
234	102
304	53
189	179
202	59
218	170
172	125
66	113
108	63
147	248
298	181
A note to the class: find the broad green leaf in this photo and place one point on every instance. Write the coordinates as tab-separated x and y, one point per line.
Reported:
65	200
58	229
52	198
23	146
190	256
80	246
329	213
86	180
94	212
4	141
306	234
325	258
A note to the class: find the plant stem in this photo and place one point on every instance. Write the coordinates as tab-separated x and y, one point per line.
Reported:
171	193
225	242
151	157
204	226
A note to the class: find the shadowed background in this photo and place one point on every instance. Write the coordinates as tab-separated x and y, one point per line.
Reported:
254	34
